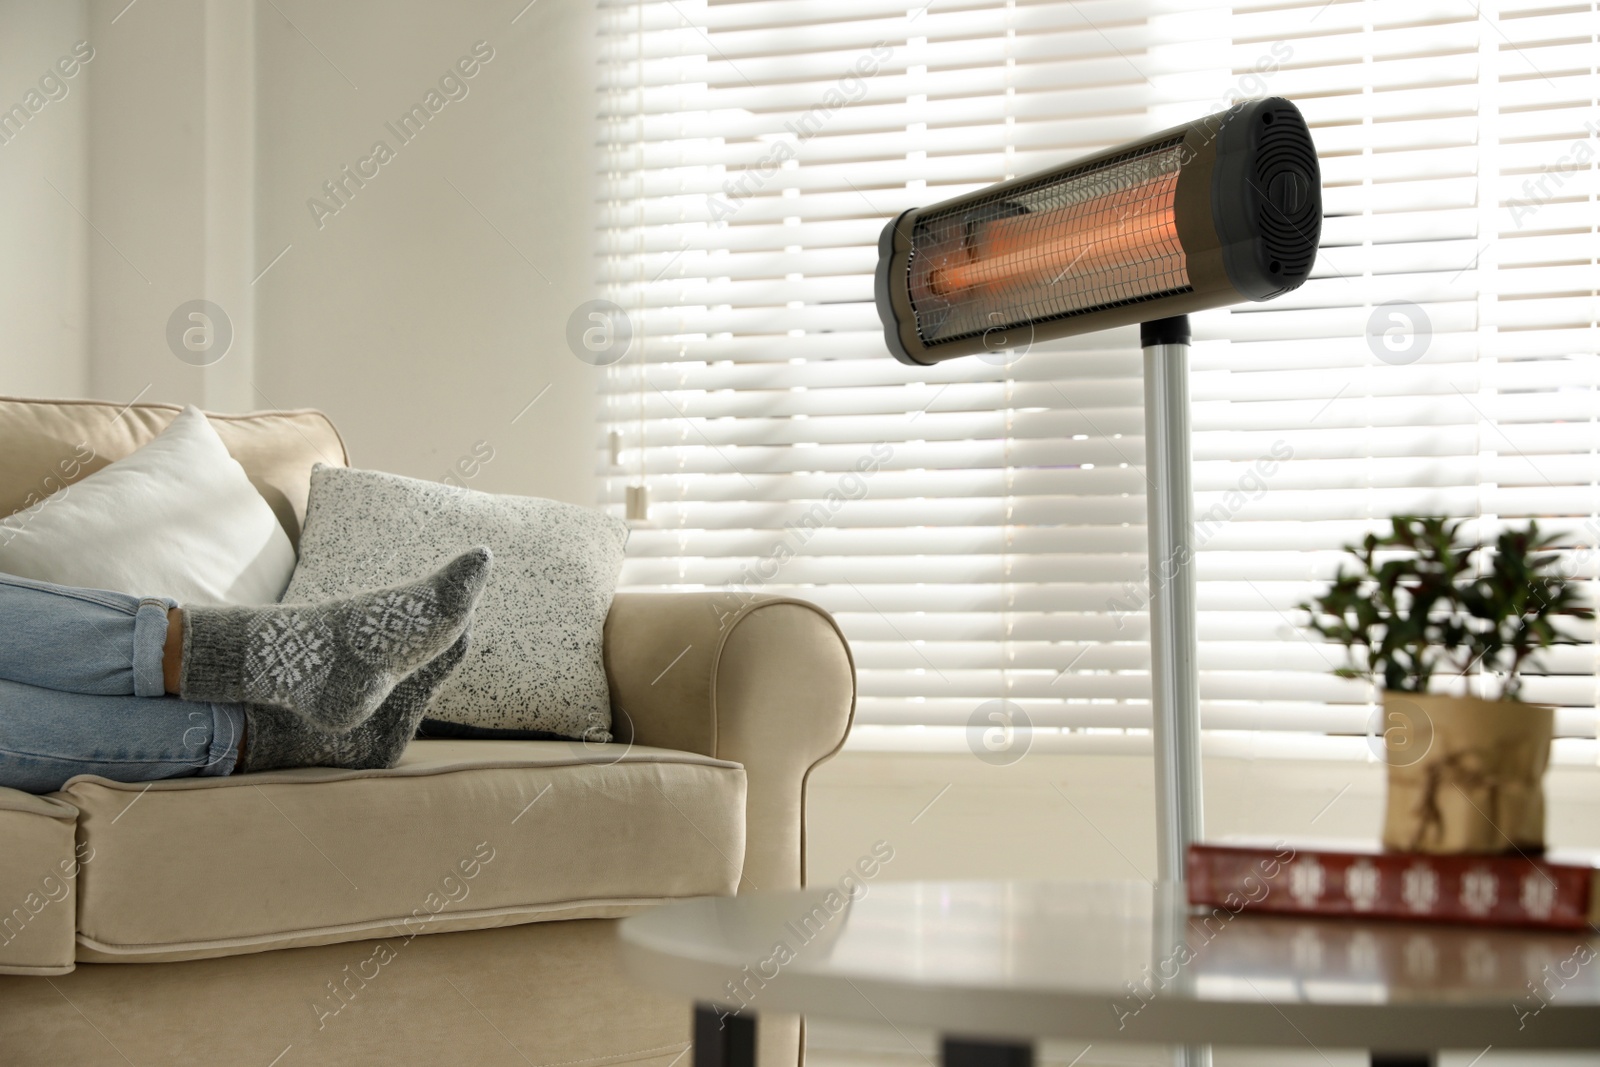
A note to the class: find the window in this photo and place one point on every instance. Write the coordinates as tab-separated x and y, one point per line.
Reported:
978	528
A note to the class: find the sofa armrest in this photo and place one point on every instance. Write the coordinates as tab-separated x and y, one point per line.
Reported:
766	681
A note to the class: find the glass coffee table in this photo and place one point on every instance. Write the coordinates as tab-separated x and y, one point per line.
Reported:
995	966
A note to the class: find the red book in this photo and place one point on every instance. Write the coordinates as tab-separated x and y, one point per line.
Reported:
1558	892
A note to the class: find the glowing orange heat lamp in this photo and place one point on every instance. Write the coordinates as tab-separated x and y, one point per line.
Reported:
1225	209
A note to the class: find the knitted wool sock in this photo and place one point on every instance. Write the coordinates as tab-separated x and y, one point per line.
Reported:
332	662
275	738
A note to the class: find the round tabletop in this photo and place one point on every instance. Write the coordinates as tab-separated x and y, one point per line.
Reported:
1119	960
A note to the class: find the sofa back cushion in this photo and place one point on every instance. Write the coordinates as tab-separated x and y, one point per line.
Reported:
49	444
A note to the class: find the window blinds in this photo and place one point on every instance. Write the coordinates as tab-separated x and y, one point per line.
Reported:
977	527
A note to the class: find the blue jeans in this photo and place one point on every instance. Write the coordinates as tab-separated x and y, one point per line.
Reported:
81	692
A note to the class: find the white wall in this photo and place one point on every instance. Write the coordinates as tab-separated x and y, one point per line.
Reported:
431	308
147	195
229	153
1082	815
424	316
44	265
126	197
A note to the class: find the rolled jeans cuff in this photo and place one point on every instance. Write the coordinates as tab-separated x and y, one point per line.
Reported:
149	646
227	731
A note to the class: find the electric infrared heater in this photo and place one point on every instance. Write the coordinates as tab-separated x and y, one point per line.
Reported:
1223	210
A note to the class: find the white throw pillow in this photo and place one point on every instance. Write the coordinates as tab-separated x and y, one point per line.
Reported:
178	518
534	663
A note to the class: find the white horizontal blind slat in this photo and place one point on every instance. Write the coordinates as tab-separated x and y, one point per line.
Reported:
978	529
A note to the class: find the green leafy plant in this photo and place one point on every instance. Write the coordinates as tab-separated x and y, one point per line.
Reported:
1515	603
1396	614
1419	605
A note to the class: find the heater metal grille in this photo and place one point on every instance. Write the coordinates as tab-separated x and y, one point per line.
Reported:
1065	244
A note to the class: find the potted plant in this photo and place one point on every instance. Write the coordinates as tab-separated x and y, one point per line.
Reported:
1425	611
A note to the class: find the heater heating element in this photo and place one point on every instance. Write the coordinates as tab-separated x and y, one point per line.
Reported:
1225	209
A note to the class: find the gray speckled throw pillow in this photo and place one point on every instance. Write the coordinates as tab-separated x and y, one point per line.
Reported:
535	661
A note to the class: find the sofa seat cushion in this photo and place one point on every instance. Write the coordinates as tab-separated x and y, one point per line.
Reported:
460	835
38	868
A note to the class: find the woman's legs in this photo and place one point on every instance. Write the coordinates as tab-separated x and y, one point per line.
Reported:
89	641
84	677
47	736
332	662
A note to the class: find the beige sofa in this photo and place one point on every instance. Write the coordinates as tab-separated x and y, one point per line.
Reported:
458	909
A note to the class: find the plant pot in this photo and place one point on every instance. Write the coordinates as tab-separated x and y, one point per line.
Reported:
1465	775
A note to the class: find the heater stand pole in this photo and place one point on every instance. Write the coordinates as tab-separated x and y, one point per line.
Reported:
1174	677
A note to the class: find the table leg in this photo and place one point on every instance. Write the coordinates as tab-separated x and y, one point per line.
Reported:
1404	1059
723	1039
966	1052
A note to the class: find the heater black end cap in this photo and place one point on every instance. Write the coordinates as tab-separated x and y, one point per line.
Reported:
881	290
1266	198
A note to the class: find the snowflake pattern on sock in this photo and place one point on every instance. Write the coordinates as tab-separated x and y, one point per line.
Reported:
331	662
287	654
398	623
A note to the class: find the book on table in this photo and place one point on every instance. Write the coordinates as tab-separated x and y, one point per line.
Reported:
1555	890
